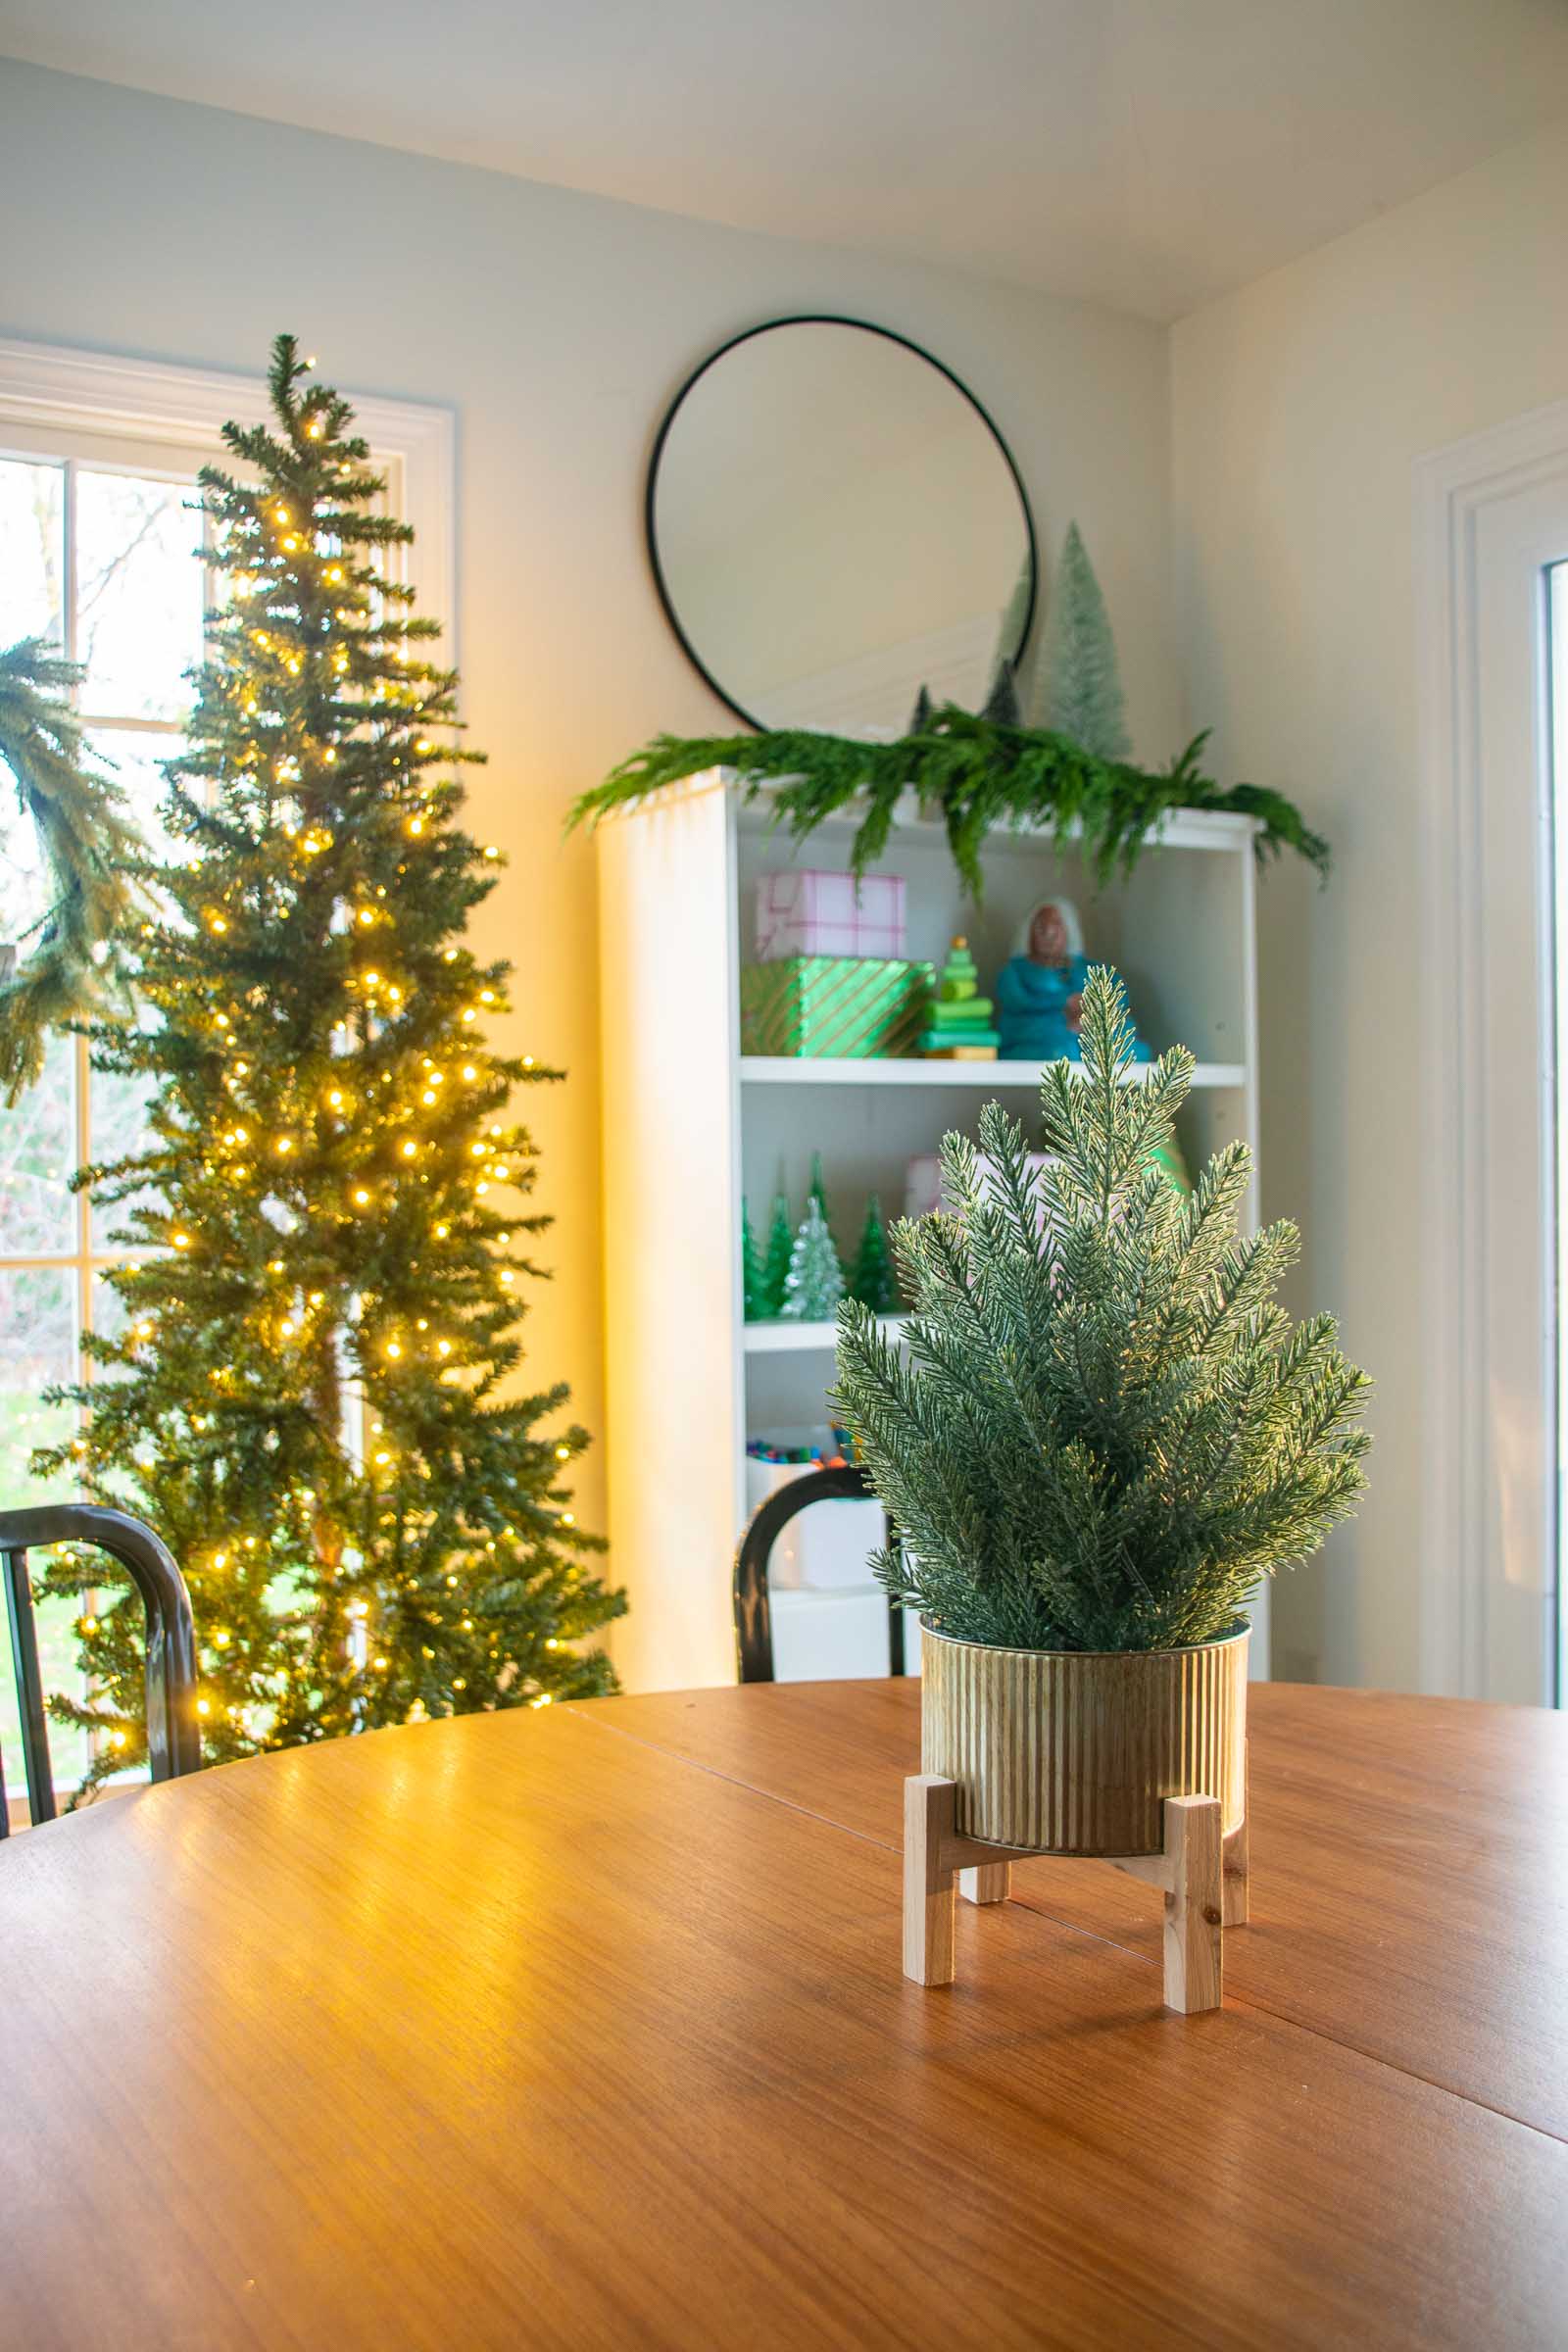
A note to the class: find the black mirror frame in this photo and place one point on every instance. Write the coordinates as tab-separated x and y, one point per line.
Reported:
749	334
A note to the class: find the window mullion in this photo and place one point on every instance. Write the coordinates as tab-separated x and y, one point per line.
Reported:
68	584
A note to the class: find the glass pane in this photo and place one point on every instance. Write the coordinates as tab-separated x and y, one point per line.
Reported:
37	1154
24	891
33	550
38	1324
139	764
140	610
108	1315
38	1321
119	1127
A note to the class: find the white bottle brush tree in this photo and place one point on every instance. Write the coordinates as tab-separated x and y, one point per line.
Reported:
1079	692
814	1282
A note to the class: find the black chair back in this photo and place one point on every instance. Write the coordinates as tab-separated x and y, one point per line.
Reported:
753	1614
174	1734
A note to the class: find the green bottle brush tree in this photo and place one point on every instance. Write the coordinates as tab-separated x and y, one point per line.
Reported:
1107	1432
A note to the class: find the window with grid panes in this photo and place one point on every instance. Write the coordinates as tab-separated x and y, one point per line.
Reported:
100	552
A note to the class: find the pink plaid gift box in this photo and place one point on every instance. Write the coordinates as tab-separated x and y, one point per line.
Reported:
803	913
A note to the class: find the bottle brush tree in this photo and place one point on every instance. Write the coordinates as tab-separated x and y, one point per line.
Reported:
755	1300
311	1393
1079	681
872	1280
776	1263
814	1282
1106	1432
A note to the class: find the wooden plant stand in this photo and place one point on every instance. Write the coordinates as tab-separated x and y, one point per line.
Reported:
1202	1873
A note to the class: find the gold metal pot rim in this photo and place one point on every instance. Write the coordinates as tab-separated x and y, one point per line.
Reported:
1008	1650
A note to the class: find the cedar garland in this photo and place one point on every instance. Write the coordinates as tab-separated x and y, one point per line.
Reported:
93	853
977	773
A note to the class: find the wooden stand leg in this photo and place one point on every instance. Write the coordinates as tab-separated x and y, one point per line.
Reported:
1190	1872
986	1883
1236	1857
928	1819
1194	1903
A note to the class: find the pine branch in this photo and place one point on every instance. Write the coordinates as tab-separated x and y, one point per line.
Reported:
1105	1429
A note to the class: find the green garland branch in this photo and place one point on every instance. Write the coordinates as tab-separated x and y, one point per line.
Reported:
91	850
979	774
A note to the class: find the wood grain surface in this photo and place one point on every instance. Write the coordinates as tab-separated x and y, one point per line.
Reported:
529	2030
1408	1860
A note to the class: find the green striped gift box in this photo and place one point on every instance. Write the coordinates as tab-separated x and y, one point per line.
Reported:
850	1008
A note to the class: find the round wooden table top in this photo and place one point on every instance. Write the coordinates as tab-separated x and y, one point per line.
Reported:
587	2028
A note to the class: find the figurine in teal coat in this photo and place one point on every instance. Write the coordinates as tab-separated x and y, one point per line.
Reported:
1040	990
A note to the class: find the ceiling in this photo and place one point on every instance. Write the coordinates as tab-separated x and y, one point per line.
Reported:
1146	153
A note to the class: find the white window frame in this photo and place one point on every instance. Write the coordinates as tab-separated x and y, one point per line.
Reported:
45	388
54	397
1489	1453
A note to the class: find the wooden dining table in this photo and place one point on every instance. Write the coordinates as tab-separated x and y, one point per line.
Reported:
586	2026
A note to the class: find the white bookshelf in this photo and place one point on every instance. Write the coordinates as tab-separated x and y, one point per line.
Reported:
981	1078
692	1126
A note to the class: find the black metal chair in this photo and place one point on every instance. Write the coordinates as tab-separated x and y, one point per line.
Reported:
754	1613
174	1734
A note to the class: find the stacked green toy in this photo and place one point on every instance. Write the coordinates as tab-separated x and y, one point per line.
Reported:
960	1017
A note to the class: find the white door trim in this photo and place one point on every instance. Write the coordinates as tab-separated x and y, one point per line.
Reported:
1463	1476
44	385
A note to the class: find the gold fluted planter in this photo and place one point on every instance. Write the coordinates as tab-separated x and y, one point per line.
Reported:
1072	1751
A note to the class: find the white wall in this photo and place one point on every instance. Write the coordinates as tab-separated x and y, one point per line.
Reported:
558	326
1298	408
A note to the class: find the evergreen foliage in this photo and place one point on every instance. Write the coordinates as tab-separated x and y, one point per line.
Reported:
776	1264
311	1392
92	854
1002	706
814	1282
979	776
1079	691
873	1281
1106	1431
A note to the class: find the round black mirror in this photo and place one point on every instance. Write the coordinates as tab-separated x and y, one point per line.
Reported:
834	523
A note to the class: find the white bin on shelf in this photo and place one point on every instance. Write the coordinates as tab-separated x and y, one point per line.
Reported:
825	1548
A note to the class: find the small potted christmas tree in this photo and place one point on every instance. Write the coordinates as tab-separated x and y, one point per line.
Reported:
1103	1435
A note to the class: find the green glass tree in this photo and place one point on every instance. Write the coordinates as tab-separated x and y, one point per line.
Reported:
817	1191
776	1264
814	1282
1079	690
754	1304
312	1394
873	1281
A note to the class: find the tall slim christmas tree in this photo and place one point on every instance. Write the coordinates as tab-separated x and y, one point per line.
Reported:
311	1395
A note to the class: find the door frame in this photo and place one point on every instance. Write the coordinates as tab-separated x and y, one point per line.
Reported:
1489	1449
